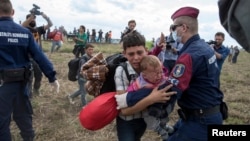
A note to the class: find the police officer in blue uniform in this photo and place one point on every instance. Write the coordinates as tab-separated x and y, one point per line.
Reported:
17	43
195	77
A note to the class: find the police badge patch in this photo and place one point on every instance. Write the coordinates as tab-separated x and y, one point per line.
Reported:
178	70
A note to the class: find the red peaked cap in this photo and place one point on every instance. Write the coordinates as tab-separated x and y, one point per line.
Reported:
186	11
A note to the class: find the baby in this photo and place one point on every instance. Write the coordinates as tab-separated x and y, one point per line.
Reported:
153	74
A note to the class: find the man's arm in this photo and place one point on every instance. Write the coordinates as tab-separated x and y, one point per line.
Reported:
49	23
156	96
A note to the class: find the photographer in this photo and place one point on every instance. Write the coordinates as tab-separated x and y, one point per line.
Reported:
130	28
169	54
30	23
221	52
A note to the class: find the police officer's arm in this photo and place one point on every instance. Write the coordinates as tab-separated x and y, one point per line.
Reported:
180	77
156	96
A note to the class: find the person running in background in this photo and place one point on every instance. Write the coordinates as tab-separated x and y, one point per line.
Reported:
57	40
81	80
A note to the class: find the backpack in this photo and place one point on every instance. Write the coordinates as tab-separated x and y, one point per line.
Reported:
73	68
113	62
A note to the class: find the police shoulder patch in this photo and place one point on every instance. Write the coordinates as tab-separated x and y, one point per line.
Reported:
178	70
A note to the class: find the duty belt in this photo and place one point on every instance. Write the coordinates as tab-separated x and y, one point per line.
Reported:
201	112
13	75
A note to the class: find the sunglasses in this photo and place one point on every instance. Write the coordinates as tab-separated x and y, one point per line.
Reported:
174	26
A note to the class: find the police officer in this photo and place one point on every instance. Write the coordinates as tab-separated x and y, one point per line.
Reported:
196	76
37	31
17	43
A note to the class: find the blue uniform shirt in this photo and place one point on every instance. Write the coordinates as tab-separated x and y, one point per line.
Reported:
196	76
16	45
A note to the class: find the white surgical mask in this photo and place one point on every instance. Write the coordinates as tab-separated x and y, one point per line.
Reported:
176	37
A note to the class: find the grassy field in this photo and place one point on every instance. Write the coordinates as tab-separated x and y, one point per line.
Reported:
55	119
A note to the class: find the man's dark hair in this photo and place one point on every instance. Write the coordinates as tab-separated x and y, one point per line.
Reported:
133	39
131	21
5	7
220	34
27	16
89	46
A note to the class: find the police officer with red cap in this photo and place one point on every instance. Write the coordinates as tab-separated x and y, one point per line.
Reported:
196	79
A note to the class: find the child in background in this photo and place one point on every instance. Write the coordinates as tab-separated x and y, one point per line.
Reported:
82	80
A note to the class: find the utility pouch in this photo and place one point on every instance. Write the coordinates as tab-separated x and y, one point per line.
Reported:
13	75
181	114
224	110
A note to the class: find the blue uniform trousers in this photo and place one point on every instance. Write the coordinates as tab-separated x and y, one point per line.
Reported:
14	101
194	128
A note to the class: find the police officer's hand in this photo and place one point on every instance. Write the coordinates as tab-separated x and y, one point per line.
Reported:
121	100
56	85
160	96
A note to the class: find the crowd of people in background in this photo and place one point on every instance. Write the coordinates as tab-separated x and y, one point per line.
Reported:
92	37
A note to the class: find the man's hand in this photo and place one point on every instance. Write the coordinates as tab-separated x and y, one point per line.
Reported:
56	85
162	42
121	100
160	96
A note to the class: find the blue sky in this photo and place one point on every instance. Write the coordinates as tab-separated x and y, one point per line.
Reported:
152	17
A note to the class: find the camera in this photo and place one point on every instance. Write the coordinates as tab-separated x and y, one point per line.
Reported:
211	42
170	40
168	46
35	10
126	31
